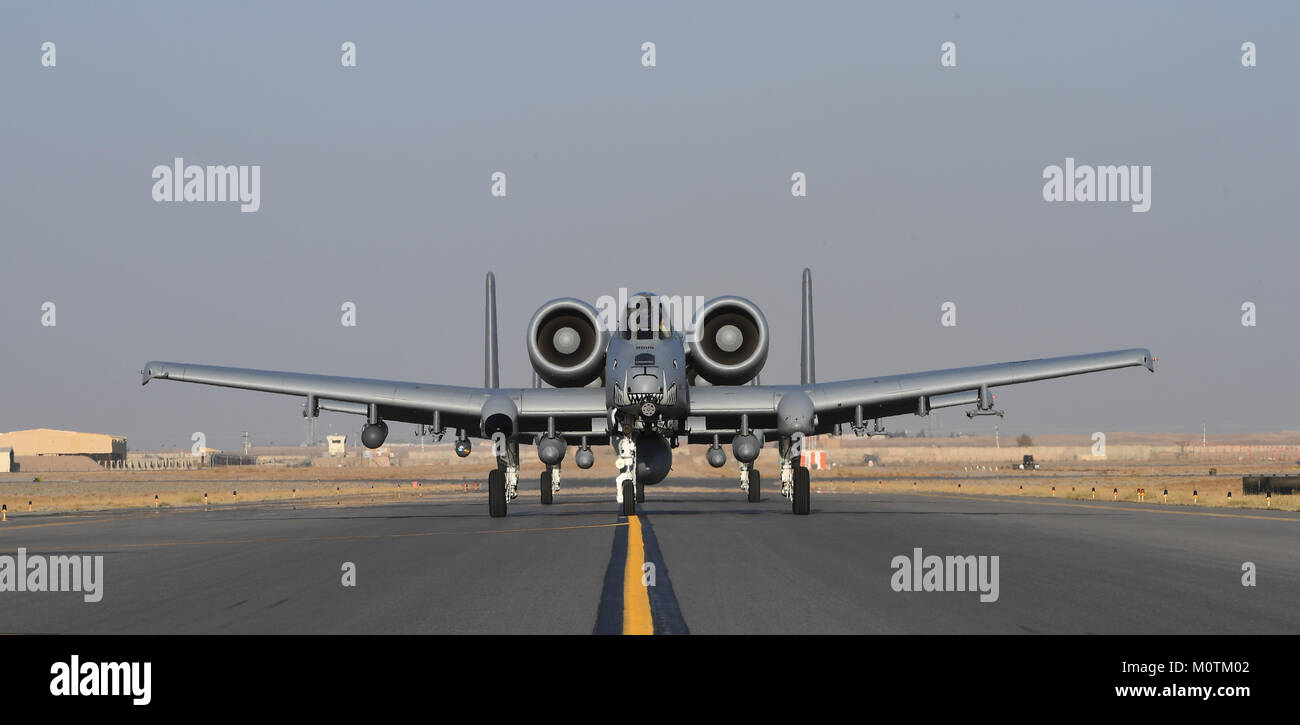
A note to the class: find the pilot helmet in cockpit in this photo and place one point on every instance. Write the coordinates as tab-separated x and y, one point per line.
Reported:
646	314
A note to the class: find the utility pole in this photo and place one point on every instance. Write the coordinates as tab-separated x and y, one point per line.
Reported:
997	442
247	443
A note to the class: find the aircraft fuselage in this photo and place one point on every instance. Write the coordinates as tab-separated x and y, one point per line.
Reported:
645	379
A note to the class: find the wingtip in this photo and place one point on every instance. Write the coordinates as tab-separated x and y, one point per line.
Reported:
152	369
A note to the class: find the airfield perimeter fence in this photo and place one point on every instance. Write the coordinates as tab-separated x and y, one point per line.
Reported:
231	459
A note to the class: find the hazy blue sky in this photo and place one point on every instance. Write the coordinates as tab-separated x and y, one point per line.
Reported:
924	185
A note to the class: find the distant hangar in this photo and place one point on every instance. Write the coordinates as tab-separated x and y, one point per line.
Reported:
45	442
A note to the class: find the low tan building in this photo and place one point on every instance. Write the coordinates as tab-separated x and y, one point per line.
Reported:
6	460
99	447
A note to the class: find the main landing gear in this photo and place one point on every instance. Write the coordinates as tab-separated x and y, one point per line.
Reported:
549	484
503	487
496	493
751	481
800	497
503	483
794	486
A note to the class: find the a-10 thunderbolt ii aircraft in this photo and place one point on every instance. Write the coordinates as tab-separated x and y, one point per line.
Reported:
640	388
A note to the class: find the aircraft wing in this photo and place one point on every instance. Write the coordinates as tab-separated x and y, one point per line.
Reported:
576	410
838	402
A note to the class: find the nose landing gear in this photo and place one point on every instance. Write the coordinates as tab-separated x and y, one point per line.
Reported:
626	490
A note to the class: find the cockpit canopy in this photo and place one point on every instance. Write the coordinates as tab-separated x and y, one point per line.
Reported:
646	317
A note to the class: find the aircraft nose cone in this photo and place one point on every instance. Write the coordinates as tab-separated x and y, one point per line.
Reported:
643	383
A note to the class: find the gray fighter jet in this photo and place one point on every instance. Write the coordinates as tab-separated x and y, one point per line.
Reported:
643	386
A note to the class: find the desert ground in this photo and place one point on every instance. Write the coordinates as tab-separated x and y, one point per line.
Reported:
1186	484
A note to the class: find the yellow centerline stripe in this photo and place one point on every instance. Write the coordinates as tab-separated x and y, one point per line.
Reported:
636	596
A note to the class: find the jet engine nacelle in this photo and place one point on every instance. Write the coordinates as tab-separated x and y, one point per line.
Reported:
654	458
729	345
498	415
566	343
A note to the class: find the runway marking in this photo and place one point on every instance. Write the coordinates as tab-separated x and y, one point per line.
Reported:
74	523
636	598
359	537
664	610
1113	508
627	606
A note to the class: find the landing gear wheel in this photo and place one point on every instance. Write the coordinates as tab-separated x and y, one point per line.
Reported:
800	503
629	499
497	493
548	496
755	485
640	494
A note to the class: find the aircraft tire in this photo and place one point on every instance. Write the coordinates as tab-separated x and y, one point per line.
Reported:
629	499
497	493
548	496
800	504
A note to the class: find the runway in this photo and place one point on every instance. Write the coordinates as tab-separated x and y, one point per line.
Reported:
720	565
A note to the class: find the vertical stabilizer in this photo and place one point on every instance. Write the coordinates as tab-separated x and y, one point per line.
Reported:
491	372
807	367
